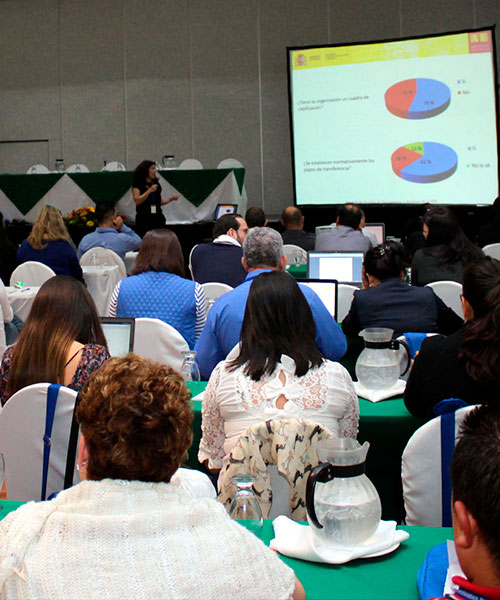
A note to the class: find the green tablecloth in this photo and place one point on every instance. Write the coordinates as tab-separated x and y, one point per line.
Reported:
390	577
299	272
386	425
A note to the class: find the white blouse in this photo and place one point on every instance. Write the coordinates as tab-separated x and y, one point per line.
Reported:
233	402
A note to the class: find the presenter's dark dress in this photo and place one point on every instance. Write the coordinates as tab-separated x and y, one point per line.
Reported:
148	214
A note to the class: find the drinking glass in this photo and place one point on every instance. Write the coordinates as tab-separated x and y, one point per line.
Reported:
189	369
2	472
245	507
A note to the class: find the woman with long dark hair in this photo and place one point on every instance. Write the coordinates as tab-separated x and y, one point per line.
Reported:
466	364
61	342
279	373
387	301
158	288
447	249
146	191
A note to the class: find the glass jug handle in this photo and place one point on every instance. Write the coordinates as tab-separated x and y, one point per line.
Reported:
395	346
323	472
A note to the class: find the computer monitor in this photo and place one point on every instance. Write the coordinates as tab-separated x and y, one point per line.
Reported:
119	333
345	267
225	209
327	290
378	229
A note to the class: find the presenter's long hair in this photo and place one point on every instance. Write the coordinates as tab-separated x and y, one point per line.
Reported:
62	313
446	239
141	173
278	320
48	227
480	346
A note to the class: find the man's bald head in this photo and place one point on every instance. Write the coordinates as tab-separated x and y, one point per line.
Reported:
292	218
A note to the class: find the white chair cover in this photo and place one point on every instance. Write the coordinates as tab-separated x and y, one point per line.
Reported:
321	228
450	293
37	170
3	344
78	168
190	164
421	472
22	426
492	250
344	300
230	163
214	290
160	342
295	255
32	273
189	261
104	257
114	165
130	260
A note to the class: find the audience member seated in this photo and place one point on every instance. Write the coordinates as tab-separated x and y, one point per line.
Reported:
111	233
220	260
475	476
8	260
255	217
126	531
262	251
413	237
292	220
346	235
490	233
447	250
466	364
279	373
61	342
158	288
387	301
49	243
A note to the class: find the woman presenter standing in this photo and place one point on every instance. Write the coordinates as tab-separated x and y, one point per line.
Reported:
146	191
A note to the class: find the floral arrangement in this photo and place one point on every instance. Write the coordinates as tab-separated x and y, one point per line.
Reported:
83	216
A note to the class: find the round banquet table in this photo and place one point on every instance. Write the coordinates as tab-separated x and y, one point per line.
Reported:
21	300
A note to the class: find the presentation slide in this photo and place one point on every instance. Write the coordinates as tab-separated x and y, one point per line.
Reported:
407	121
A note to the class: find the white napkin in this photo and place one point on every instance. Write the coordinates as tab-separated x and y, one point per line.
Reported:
377	395
296	540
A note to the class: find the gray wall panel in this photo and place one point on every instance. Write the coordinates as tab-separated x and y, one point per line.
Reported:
363	20
158	79
429	16
226	117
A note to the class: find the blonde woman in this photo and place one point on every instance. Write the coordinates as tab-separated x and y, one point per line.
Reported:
49	243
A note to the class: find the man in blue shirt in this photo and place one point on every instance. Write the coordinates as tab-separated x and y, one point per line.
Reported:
111	233
262	251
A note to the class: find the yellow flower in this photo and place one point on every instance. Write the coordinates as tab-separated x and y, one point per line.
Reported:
90	223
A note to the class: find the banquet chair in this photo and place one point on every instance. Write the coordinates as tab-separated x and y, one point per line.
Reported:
22	427
104	257
37	169
425	470
492	250
3	343
114	165
32	273
280	454
295	255
158	341
450	293
344	300
191	163
230	163
214	290
321	228
78	168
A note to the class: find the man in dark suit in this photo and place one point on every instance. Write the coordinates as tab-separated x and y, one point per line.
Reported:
292	220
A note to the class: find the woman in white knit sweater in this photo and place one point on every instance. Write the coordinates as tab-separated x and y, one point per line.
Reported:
125	531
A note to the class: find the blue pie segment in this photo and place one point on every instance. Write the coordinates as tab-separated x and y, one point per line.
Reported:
424	162
419	98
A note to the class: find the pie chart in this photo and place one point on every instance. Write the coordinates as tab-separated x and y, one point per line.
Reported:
417	98
424	162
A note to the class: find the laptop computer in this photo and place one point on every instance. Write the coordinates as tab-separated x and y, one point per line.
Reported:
378	229
119	333
327	290
225	209
345	267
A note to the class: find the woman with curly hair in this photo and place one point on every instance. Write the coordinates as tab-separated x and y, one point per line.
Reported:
466	364
49	243
127	530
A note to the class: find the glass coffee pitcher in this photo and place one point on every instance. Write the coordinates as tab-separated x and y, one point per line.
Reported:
343	506
377	367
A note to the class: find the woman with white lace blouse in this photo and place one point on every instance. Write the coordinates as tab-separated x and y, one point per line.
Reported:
279	373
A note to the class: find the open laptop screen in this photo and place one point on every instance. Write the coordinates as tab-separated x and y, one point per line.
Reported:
345	267
326	289
378	229
119	334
